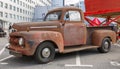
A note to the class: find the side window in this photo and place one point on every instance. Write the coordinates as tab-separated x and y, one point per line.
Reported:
54	16
72	16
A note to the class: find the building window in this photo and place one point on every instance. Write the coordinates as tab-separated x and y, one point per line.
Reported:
34	2
23	11
10	7
18	17
14	8
1	14
18	2
20	10
28	12
6	15
30	7
33	13
10	15
23	18
26	18
26	5
14	16
1	4
30	1
14	1
17	9
29	19
21	3
6	5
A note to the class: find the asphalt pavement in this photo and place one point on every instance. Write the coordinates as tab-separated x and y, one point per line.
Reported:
87	59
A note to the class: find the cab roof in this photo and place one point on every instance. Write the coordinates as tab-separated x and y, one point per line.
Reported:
65	8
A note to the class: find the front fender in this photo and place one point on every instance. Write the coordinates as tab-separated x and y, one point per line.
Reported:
34	38
99	35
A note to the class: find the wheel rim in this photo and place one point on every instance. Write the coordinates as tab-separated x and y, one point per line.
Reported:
106	45
46	52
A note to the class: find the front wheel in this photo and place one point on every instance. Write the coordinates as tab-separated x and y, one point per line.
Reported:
45	52
105	46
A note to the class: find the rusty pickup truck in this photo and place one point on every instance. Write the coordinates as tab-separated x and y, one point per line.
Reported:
64	30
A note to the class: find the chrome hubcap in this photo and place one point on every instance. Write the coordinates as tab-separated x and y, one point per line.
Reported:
46	52
106	45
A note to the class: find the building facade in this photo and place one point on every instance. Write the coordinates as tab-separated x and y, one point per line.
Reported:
14	11
82	6
57	3
40	11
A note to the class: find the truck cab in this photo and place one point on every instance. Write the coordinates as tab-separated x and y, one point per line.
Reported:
72	25
63	29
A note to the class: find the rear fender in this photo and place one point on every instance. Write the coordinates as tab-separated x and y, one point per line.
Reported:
99	35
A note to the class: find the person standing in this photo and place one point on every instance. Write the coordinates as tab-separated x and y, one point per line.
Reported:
9	29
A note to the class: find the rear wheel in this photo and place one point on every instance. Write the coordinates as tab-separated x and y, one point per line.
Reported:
45	52
105	46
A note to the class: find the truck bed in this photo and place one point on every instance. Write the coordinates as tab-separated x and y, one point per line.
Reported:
90	30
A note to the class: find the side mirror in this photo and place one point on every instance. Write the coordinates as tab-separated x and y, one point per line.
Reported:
66	18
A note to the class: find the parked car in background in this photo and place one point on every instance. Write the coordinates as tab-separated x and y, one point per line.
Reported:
2	33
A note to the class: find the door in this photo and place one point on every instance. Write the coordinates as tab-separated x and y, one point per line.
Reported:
74	29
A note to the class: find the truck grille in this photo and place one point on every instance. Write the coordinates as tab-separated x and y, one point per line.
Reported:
14	40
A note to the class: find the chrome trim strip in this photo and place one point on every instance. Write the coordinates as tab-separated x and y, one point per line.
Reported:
44	27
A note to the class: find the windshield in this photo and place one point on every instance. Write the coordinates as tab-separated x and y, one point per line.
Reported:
53	16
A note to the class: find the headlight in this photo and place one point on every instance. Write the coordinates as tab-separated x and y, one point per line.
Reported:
12	30
21	41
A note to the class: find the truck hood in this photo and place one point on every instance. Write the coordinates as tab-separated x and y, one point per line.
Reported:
28	26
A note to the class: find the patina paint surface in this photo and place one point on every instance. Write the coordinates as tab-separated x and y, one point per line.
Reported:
61	33
75	33
34	38
99	35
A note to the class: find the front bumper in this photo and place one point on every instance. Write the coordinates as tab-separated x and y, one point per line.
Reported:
12	52
15	53
18	51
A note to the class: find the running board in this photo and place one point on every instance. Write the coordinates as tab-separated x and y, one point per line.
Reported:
78	48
